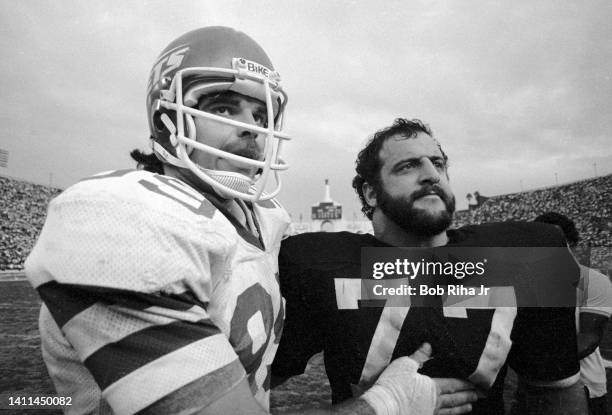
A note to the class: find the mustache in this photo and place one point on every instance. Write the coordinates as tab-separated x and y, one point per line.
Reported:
428	190
250	150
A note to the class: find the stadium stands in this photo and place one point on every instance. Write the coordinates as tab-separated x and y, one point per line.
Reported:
588	202
23	207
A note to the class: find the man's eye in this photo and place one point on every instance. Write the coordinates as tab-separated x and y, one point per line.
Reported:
222	110
261	119
407	166
440	164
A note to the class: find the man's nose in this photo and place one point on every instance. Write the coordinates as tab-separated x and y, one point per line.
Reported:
247	118
428	172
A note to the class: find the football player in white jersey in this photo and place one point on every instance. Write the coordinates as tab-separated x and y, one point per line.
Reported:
160	291
594	306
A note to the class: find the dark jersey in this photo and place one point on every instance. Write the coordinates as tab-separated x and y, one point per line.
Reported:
325	312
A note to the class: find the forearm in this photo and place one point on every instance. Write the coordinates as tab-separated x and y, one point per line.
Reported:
592	327
351	407
401	390
354	406
587	345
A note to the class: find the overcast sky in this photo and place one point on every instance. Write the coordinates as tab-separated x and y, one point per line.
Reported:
518	92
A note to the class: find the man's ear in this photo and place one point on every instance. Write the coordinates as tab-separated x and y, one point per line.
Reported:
369	194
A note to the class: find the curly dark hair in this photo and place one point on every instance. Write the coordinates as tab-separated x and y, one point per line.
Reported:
368	162
148	162
566	224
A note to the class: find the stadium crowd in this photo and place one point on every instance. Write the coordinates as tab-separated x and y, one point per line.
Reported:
23	207
587	202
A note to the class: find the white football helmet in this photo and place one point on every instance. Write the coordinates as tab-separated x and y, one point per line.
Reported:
211	60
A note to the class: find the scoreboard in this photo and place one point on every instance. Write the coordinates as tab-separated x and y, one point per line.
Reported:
326	211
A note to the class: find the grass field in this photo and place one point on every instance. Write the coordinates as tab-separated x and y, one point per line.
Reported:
22	371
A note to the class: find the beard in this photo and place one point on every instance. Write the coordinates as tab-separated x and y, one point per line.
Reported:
417	221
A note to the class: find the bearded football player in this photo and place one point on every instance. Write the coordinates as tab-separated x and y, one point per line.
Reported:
159	288
402	181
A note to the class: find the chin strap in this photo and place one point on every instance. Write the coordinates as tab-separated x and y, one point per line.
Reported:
235	181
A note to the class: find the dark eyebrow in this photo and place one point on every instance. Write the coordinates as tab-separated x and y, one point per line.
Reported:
229	98
223	98
404	161
416	160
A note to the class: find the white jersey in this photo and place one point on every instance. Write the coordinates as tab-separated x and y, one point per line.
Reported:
152	296
595	296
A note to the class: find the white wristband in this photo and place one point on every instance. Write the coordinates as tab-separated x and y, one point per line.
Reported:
401	390
381	401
